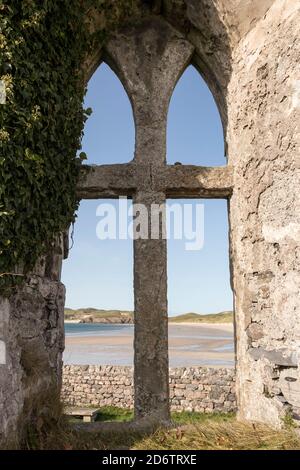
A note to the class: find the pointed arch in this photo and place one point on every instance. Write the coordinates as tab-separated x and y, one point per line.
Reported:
195	132
109	133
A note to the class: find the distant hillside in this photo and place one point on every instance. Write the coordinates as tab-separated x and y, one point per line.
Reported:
94	315
222	317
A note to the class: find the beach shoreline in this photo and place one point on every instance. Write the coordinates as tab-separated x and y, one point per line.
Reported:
227	326
207	345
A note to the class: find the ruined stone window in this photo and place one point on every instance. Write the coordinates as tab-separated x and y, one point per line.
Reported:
150	181
248	56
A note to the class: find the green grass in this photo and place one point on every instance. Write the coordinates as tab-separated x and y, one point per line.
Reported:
111	413
192	417
222	317
115	414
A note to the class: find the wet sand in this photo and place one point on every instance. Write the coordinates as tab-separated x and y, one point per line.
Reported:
190	344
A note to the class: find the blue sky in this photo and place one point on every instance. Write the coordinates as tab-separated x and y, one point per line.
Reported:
99	273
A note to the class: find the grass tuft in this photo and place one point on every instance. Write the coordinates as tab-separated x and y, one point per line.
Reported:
218	435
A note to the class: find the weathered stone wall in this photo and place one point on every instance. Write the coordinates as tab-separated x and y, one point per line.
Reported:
191	388
263	149
32	342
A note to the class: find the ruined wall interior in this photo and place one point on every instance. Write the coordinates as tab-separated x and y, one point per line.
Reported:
249	55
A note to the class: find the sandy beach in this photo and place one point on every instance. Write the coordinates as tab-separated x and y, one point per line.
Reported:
190	344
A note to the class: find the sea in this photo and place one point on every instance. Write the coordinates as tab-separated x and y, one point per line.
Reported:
112	344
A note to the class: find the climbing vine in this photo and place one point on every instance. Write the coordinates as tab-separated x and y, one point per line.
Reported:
43	44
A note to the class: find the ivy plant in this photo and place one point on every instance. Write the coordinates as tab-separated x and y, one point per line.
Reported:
43	45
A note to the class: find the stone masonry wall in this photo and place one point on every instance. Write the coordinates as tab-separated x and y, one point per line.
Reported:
263	148
31	342
191	388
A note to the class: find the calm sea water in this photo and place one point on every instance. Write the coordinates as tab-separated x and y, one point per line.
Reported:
90	343
96	329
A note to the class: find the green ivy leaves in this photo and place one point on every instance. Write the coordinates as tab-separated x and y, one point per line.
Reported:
42	47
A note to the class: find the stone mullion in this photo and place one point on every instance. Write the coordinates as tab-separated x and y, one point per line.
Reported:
151	379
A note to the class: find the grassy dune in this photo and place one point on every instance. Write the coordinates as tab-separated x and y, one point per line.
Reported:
114	315
222	317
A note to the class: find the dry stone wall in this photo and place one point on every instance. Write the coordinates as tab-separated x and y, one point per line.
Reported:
191	388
